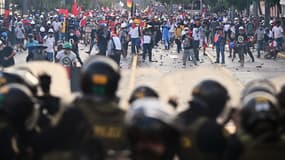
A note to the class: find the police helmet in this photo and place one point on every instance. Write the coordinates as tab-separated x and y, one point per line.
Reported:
148	121
24	76
19	106
142	92
211	96
259	85
100	76
259	113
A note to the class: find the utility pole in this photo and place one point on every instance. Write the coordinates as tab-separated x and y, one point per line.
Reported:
267	13
25	4
255	7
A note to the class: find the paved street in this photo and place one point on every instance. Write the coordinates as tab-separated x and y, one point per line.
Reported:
172	79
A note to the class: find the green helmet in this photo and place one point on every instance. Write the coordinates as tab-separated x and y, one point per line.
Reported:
67	46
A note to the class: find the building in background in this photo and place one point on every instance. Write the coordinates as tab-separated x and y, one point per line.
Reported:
2	7
282	3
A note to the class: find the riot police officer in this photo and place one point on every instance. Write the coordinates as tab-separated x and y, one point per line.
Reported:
259	136
202	137
95	115
149	126
19	115
143	92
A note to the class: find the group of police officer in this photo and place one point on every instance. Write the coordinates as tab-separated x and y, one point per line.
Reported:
93	127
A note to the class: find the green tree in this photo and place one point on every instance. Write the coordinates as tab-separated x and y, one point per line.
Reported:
238	4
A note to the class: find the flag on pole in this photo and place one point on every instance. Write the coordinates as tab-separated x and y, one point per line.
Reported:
74	9
129	3
63	11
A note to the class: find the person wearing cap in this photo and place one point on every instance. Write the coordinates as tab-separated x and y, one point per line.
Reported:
114	49
29	45
135	34
7	54
49	41
147	43
20	35
124	38
66	57
103	36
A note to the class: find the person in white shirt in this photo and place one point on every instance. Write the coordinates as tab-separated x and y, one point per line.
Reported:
134	33
66	57
57	26
196	37
227	27
278	33
114	48
49	41
147	44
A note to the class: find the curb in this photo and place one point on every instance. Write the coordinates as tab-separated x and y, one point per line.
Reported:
281	55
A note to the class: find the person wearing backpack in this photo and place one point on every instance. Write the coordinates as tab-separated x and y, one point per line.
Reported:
114	50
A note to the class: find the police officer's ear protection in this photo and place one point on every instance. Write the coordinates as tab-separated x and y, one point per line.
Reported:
32	120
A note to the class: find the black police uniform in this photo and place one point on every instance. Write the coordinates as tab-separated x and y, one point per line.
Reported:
201	136
210	138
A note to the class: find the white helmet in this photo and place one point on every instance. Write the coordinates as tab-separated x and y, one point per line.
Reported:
33	22
50	30
48	22
42	29
241	28
124	25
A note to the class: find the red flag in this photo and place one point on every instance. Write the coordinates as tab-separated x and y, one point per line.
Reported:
83	22
74	8
7	13
87	14
63	11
